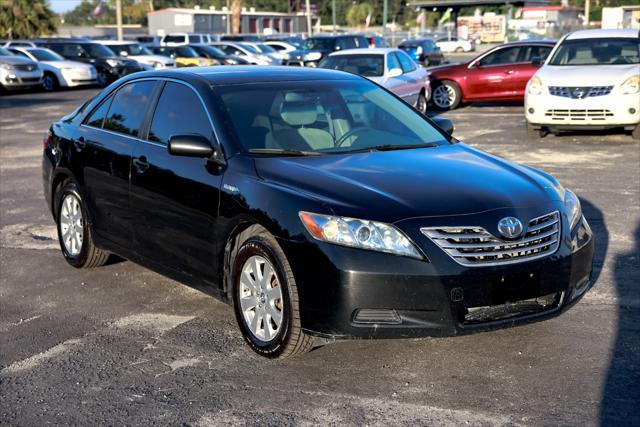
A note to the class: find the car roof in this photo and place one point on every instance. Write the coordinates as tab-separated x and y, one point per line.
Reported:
239	74
116	42
590	34
365	51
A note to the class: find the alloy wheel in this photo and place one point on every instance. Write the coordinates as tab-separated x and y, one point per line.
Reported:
444	96
47	83
72	224
261	299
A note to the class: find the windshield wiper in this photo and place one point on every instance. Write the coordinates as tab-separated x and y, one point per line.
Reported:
283	152
392	147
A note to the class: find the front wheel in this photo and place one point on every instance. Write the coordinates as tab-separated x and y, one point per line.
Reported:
459	49
535	132
50	82
265	298
103	78
635	133
421	103
74	233
447	95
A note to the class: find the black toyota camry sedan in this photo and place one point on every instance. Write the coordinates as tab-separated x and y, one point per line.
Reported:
316	203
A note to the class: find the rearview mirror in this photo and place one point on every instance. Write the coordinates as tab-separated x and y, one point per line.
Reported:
445	124
394	72
190	146
536	61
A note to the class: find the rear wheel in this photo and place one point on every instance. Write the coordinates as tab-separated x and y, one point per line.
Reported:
265	298
74	232
447	95
50	82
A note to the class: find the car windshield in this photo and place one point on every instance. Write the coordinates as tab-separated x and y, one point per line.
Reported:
265	48
323	117
364	65
98	51
598	51
214	51
5	52
131	49
45	55
249	48
320	43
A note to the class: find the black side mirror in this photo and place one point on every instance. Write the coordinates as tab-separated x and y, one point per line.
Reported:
190	146
444	124
536	61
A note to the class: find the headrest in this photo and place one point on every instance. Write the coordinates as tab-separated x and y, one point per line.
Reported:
297	110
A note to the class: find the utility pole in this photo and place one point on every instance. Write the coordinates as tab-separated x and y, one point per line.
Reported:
333	14
228	31
587	10
119	20
385	8
308	5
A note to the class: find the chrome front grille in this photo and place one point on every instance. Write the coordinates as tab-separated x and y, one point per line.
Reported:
580	92
578	115
25	67
476	247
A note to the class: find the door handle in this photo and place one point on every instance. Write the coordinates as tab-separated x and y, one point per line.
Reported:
79	143
141	164
509	72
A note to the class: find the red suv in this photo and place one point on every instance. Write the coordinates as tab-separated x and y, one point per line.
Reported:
499	74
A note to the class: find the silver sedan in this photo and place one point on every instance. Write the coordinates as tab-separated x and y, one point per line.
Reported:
391	68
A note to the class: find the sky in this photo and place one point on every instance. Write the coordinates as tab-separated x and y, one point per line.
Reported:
63	5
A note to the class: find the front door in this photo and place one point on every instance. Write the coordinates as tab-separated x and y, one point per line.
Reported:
175	199
492	76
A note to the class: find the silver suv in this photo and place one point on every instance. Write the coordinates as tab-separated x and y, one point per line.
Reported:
17	72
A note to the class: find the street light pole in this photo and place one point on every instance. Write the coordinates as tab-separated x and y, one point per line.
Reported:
119	20
308	5
333	14
385	8
587	10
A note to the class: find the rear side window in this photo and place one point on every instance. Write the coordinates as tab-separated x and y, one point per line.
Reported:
406	63
179	112
392	61
527	53
97	117
129	107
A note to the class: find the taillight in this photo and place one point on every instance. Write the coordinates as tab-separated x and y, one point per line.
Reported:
47	139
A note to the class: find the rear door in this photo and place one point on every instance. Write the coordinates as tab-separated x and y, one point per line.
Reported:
491	76
105	144
524	70
175	199
410	78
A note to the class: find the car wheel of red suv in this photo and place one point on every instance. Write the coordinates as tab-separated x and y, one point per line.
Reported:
447	95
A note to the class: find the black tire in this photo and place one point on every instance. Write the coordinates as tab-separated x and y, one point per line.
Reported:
421	103
89	255
535	132
50	82
103	78
635	133
459	49
455	95
289	340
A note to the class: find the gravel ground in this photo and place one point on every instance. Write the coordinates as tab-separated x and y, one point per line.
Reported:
122	345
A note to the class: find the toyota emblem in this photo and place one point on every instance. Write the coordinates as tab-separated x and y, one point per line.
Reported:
510	227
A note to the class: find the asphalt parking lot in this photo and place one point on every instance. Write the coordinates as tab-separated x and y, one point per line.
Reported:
120	345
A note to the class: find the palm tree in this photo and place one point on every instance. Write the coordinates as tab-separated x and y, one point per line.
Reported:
26	19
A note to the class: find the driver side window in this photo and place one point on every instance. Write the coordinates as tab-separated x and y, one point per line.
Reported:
508	55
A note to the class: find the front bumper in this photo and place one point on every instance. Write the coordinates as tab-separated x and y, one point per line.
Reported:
599	112
15	79
351	293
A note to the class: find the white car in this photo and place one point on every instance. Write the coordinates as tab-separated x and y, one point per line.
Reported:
281	47
178	39
265	49
390	68
246	51
58	71
454	44
140	53
18	72
591	80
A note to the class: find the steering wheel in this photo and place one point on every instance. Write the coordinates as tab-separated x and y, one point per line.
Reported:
343	138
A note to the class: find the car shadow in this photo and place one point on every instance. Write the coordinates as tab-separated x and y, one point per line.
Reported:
621	395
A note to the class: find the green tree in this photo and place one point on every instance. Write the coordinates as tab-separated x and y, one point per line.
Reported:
26	19
357	14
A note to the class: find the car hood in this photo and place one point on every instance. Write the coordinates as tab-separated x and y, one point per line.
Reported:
15	60
391	186
461	66
586	75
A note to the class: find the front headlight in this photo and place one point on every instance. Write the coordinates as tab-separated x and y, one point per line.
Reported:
312	56
6	66
156	64
114	62
631	85
286	56
535	86
359	233
572	208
